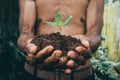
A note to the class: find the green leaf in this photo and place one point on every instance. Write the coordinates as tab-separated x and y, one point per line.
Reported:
67	21
51	23
58	21
58	18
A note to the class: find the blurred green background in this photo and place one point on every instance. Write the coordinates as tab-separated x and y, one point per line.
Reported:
12	60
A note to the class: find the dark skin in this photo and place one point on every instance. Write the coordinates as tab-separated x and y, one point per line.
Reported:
86	25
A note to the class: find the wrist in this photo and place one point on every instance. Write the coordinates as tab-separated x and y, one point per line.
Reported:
94	41
22	41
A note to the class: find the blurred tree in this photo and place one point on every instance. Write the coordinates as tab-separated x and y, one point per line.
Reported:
111	28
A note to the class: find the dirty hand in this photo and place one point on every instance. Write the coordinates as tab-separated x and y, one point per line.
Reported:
78	57
47	57
28	48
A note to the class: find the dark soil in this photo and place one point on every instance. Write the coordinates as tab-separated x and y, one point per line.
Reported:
59	42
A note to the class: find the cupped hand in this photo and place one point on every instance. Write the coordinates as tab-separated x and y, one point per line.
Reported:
78	57
47	57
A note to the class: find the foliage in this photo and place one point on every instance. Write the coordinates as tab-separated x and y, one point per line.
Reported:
106	1
58	21
104	68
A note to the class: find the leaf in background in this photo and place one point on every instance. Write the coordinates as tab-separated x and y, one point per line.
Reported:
51	23
58	18
67	21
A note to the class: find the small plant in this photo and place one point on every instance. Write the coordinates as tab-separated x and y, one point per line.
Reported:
58	21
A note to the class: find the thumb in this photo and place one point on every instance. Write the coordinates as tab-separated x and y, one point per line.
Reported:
85	43
31	48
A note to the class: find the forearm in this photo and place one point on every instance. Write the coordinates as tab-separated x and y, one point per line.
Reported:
27	17
27	20
94	23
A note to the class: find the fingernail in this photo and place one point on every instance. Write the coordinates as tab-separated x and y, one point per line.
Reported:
33	49
58	54
78	49
50	48
86	43
71	54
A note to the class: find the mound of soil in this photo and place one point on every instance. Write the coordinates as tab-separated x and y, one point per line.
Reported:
59	42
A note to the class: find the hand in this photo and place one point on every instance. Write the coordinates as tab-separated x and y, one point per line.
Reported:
78	57
26	47
47	57
22	43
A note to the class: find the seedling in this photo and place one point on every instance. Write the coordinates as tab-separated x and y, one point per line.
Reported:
58	21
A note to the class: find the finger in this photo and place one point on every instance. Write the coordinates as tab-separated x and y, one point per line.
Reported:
86	53
54	57
71	64
72	55
45	52
32	48
68	71
89	53
79	59
80	48
31	58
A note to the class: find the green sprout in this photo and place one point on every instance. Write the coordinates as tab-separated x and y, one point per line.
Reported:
58	21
